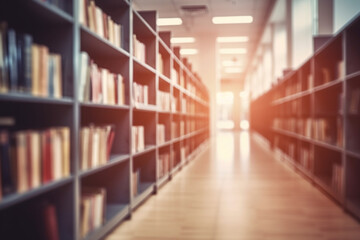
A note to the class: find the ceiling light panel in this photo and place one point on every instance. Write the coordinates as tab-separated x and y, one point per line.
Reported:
182	40
232	39
232	19
168	21
188	51
232	50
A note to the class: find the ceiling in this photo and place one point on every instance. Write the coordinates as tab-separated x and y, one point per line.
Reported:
196	24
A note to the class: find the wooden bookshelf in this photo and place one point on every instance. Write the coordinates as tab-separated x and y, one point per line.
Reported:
127	178
314	111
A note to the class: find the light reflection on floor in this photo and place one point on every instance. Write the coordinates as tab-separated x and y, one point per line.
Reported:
233	150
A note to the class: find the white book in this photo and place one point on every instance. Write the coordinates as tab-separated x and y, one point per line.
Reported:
85	144
104	87
121	90
95	148
133	139
35	145
56	156
141	138
111	88
84	65
82	16
146	95
99	22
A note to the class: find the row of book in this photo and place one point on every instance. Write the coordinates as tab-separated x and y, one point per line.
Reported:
27	67
328	74
302	126
99	22
329	130
306	158
137	138
92	209
30	158
336	178
354	104
295	86
161	134
160	63
96	143
163	164
99	85
139	49
164	99
140	94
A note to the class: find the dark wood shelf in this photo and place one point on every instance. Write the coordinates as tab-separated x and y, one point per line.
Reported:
27	98
148	148
104	106
145	189
115	213
104	47
114	159
17	198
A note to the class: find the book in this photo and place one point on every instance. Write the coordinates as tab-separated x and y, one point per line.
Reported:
95	145
336	179
164	100
51	229
137	138
4	86
139	49
7	180
354	101
163	164
12	59
140	94
93	205
135	181
93	17
160	134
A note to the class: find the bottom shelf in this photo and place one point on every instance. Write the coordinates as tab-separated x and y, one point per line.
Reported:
353	206
163	180
115	213
145	189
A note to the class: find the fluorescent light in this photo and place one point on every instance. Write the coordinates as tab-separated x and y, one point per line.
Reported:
188	51
232	39
233	70
230	63
232	50
182	40
168	21
232	19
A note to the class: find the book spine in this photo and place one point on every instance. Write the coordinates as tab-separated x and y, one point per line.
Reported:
12	59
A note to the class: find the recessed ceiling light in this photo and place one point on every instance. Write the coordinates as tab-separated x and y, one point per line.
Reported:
233	70
182	40
230	63
188	51
232	19
232	50
232	39
168	21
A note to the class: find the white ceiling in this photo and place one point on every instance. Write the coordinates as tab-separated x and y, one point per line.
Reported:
200	23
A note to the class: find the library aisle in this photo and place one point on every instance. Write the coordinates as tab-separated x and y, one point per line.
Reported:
237	190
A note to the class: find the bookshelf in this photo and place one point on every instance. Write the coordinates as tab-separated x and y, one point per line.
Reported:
111	82
314	111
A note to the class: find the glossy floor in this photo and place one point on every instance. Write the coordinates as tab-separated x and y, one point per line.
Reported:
237	190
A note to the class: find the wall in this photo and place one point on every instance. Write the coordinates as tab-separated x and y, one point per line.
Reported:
344	10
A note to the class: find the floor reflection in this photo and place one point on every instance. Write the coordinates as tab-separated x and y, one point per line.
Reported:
233	151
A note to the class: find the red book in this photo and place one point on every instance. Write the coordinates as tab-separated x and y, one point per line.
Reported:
50	223
46	157
110	141
29	160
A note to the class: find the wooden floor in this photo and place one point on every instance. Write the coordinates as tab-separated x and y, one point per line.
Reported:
237	190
